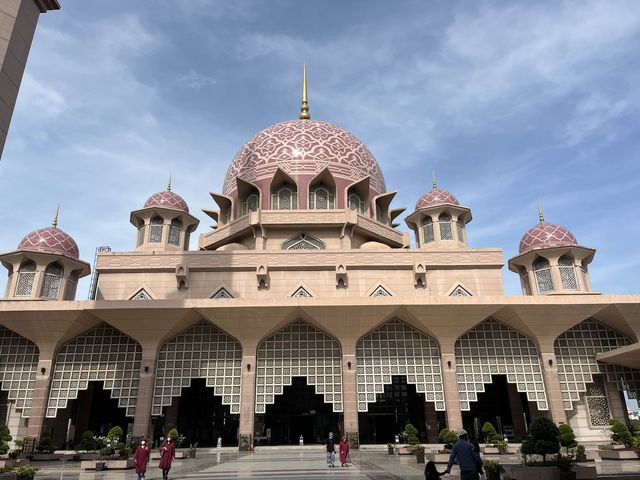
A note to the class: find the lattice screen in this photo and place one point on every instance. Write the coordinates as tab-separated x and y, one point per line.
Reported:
301	292
141	295
18	364
459	291
380	291
299	350
222	293
492	348
576	351
202	351
100	354
396	348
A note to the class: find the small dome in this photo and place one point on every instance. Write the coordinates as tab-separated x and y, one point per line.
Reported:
167	199
546	235
50	240
436	197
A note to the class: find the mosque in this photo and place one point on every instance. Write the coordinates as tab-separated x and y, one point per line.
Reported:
304	309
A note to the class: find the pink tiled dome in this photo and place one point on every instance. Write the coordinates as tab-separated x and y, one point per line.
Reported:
50	240
167	199
546	235
436	197
304	147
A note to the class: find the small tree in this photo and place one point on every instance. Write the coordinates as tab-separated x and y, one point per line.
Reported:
45	445
411	434
447	436
566	437
543	438
620	433
87	441
5	438
490	434
115	433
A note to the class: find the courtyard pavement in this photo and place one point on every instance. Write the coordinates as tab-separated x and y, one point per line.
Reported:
291	463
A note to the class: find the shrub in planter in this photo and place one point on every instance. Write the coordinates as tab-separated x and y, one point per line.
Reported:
566	437
493	468
543	438
390	448
87	441
25	472
581	453
620	433
491	436
115	432
45	445
418	450
5	438
446	436
502	446
411	434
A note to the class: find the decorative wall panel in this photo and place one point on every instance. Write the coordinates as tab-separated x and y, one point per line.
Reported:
18	364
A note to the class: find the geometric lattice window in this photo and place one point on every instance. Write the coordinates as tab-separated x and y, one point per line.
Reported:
321	197
175	229
396	348
250	205
201	351
284	198
567	273
460	231
301	292
492	348
459	292
444	221
427	230
222	293
71	286
356	203
26	276
524	281
102	354
299	350
155	233
597	403
380	291
51	281
542	269
576	351
141	295
18	364
140	238
303	241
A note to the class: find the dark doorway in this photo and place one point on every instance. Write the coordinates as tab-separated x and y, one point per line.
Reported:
299	411
398	405
202	418
503	406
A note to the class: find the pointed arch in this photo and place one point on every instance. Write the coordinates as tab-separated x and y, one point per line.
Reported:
459	291
397	348
493	348
200	351
102	353
141	295
299	350
26	278
51	281
18	365
303	241
301	292
380	291
322	191
221	293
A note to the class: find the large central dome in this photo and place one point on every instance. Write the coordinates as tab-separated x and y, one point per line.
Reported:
304	148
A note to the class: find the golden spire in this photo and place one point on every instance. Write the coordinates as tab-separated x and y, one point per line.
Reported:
169	185
540	213
304	108
54	224
433	174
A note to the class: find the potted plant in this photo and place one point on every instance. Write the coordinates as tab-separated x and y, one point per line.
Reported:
622	442
581	454
543	438
25	472
493	468
565	465
418	450
502	446
391	448
193	449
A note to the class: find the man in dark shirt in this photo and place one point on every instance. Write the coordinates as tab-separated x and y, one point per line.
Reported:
331	451
468	458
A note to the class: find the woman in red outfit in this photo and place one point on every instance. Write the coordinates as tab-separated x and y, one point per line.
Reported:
344	452
168	452
141	457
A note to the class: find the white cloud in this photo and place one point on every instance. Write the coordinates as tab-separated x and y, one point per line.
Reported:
196	80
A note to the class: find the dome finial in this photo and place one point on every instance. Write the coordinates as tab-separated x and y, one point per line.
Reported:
169	184
54	224
433	174
540	213
304	108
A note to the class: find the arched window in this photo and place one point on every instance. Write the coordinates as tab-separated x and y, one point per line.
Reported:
427	230
26	276
72	284
303	241
446	232
155	234
567	273
51	281
175	230
140	239
585	276
356	203
284	198
544	280
524	281
460	228
250	204
322	197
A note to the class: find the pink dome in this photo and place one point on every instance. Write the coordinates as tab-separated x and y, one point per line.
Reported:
50	240
436	197
546	235
167	199
304	147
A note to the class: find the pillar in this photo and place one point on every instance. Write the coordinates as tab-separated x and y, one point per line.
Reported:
146	384
247	398
552	387
350	398
40	394
451	397
515	405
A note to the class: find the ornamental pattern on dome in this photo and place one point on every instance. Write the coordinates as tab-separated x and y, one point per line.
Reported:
546	235
50	240
436	197
304	147
167	199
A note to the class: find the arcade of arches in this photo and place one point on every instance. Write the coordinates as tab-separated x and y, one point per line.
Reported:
302	384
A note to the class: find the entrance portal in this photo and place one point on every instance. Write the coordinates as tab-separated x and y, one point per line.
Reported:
299	411
502	405
398	405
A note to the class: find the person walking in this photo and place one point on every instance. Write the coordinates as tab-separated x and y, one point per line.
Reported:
331	451
344	452
141	457
167	452
467	457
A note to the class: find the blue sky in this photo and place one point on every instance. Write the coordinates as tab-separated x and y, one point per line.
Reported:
509	102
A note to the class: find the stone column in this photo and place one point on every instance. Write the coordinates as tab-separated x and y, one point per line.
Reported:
350	398
552	387
146	383
247	398
40	394
451	397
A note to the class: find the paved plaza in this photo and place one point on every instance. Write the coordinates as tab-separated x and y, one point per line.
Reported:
294	463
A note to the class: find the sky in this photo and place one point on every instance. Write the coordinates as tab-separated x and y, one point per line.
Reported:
508	102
